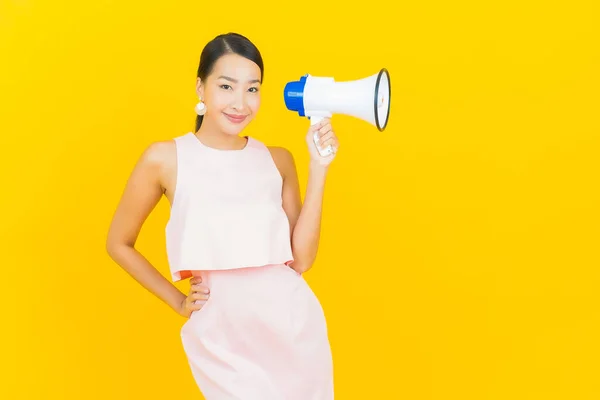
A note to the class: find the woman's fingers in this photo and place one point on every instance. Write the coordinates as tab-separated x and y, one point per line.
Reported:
200	296
324	130
200	288
329	139
193	306
322	127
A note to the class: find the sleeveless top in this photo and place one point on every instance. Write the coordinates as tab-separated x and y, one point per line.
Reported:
226	211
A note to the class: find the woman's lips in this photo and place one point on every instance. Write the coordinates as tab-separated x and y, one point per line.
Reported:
236	119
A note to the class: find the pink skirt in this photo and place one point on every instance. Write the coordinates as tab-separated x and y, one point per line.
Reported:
261	335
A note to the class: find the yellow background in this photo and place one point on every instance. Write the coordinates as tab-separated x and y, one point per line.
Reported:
459	255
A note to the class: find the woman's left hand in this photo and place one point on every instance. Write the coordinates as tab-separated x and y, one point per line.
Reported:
327	137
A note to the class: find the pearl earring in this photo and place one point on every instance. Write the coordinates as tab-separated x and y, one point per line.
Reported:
200	108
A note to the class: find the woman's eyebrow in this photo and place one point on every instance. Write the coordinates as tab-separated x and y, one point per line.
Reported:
235	80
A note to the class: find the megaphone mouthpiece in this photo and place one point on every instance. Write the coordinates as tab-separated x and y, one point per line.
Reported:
293	95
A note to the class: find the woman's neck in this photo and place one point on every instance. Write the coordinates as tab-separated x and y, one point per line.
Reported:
214	138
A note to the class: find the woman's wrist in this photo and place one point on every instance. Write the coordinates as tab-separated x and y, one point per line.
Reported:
317	168
179	305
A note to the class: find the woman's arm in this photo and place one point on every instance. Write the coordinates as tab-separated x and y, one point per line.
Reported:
305	219
307	231
141	195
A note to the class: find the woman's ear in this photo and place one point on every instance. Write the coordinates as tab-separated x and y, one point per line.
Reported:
199	88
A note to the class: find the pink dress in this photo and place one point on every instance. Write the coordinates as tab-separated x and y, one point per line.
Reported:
262	334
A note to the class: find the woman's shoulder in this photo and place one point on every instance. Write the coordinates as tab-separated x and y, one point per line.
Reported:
284	160
159	152
158	157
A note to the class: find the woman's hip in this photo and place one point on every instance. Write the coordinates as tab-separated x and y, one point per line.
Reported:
274	298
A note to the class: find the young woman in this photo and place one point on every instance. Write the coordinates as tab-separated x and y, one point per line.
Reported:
239	231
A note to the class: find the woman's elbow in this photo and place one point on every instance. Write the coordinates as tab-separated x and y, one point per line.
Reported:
300	267
111	248
114	247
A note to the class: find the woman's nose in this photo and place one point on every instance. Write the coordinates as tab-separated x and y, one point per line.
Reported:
239	101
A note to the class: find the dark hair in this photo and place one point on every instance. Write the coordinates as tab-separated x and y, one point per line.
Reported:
221	45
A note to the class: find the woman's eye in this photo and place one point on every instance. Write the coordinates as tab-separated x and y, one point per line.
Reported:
253	89
225	87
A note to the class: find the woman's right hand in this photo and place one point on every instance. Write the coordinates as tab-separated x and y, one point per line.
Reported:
197	297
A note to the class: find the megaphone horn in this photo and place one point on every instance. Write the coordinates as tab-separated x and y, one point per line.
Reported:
320	97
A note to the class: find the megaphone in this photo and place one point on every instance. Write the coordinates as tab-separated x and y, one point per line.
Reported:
318	97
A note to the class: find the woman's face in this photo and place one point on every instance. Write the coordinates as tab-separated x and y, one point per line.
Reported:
231	93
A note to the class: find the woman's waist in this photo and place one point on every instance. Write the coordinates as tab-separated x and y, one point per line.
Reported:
264	276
